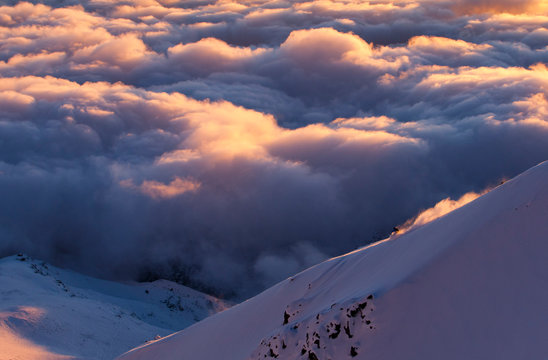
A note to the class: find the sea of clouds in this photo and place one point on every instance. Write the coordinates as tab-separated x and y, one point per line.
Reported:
230	144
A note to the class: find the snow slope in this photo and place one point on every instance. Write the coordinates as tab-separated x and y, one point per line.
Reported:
50	313
472	284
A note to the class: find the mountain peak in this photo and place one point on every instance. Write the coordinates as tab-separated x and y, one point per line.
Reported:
471	284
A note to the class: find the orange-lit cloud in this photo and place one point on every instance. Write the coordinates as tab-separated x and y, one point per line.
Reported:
126	52
13	101
501	6
158	190
244	133
210	55
445	47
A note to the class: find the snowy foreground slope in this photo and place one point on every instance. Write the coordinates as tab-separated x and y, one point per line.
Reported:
470	285
50	313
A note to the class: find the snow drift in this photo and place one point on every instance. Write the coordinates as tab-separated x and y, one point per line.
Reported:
472	284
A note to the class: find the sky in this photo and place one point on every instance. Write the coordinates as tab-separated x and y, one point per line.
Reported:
230	144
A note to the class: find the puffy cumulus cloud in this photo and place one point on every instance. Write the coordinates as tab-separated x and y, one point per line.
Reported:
211	55
321	82
228	144
444	51
165	25
124	52
38	29
307	49
511	29
14	102
213	180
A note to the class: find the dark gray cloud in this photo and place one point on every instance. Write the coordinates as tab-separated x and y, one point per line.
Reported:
230	144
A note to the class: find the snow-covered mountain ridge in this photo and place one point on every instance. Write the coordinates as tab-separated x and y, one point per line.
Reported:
51	313
472	284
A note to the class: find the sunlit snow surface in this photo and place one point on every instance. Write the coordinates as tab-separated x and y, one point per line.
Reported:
50	313
470	285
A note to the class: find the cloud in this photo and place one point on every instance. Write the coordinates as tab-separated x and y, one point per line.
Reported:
14	102
125	52
229	144
210	55
158	190
302	255
498	6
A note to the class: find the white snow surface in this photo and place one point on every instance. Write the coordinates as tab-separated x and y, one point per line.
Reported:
472	284
51	313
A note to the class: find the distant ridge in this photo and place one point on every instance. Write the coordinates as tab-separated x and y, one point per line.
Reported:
48	313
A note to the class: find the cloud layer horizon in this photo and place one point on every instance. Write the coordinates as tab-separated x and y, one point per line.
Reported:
230	144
